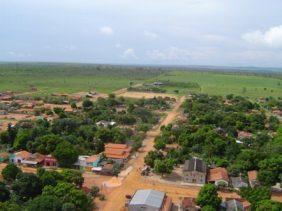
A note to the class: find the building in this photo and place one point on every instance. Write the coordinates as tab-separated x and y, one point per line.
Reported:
238	182
194	171
149	200
34	159
244	135
218	176
117	152
19	157
50	161
252	175
86	162
189	204
232	205
104	123
93	161
4	156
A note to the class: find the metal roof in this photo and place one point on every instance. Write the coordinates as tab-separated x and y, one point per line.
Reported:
151	198
195	164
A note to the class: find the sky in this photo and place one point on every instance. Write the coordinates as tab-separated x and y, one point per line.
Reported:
160	32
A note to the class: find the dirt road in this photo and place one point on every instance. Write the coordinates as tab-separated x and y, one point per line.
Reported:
146	95
134	181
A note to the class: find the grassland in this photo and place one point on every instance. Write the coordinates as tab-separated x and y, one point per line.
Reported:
219	83
69	78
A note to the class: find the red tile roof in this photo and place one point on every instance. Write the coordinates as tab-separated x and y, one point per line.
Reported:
117	151
24	154
252	175
218	174
92	158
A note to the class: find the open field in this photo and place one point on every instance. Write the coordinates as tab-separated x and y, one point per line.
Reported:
66	78
42	79
217	83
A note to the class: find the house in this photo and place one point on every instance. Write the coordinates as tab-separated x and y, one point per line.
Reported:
86	162
218	176
93	160
149	200
189	204
104	123
4	156
232	205
117	152
81	162
238	182
252	175
244	135
194	171
19	157
50	161
34	159
106	169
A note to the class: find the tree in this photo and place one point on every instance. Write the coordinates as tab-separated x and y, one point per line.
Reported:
68	207
159	143
47	179
254	195
208	196
23	136
265	205
47	144
66	154
163	166
68	193
208	208
26	186
4	192
87	104
152	156
44	202
270	170
94	191
73	176
10	172
10	206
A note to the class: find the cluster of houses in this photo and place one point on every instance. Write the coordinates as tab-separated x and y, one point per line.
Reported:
30	159
153	200
114	154
195	171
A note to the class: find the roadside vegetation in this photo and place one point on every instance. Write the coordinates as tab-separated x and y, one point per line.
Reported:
211	130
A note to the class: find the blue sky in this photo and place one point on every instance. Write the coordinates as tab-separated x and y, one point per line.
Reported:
176	32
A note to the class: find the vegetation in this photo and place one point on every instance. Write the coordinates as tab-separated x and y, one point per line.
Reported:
211	132
69	78
46	190
208	197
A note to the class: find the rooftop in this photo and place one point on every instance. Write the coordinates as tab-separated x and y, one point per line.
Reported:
195	164
148	197
218	174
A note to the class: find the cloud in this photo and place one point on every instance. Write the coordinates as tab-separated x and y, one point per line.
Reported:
270	38
150	35
129	54
118	45
106	30
175	54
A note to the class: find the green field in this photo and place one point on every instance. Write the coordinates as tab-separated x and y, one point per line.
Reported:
69	78
252	86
